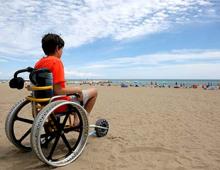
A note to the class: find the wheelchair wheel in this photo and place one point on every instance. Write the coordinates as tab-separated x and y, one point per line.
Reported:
18	125
54	141
99	131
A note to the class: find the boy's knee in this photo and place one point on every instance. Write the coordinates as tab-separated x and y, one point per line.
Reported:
94	92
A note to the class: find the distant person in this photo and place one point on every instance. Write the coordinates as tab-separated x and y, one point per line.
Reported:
52	45
176	85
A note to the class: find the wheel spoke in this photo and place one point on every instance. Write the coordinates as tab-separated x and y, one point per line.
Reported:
64	121
79	137
18	119
66	143
76	129
25	135
24	120
60	128
53	147
56	122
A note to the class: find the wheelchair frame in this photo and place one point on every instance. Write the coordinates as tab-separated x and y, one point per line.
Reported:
48	126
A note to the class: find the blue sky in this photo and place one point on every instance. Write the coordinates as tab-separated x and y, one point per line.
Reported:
129	39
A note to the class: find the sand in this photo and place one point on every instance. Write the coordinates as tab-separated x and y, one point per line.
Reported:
150	128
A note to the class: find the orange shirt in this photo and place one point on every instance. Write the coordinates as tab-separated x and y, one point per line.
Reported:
55	66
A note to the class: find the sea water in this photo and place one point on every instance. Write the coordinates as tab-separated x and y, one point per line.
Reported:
171	82
161	82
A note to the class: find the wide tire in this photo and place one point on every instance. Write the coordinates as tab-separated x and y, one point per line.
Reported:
18	125
101	132
52	140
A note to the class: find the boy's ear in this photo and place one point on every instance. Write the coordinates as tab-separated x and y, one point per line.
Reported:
57	48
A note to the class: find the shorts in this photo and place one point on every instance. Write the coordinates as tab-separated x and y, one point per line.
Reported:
86	97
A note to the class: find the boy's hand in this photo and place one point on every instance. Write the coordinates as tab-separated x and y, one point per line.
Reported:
28	87
80	97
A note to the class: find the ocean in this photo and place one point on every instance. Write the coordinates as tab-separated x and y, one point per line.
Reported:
171	82
140	82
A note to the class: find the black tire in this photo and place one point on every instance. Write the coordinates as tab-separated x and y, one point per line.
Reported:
101	132
62	145
18	125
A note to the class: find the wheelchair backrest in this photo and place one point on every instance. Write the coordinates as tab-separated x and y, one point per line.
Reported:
42	78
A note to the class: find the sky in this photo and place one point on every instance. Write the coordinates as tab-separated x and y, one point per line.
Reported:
117	39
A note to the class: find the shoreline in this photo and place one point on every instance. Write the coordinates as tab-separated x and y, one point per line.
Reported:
204	84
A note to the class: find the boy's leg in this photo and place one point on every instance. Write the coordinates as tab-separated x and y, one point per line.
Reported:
89	98
73	120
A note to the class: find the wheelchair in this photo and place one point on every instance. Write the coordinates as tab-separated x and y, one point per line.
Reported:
41	121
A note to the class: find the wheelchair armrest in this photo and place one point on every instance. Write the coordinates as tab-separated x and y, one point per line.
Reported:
56	97
74	94
62	96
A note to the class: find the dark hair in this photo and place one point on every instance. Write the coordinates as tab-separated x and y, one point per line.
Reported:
50	42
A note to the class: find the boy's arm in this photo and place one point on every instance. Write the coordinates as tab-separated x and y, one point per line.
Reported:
58	90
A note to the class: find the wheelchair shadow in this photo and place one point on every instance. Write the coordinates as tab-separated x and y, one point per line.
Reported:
11	158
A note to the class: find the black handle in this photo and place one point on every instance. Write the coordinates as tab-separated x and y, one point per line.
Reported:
18	82
28	69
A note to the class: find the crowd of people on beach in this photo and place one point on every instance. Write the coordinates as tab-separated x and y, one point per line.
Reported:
125	84
208	86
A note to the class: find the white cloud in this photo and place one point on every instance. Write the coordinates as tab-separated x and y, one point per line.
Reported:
16	58
181	71
174	57
70	74
175	64
79	22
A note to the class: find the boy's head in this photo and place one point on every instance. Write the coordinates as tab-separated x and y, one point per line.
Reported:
51	43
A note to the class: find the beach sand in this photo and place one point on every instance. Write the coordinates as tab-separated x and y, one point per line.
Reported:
150	128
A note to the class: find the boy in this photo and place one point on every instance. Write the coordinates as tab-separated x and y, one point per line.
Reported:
52	45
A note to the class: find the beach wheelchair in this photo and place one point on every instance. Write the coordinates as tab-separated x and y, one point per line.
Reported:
40	122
